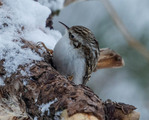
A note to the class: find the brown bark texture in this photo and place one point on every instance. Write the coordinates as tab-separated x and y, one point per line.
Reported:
45	85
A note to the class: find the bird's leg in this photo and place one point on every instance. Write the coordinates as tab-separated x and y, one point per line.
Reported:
41	44
86	79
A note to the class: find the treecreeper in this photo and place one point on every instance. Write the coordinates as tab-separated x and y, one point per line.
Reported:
76	54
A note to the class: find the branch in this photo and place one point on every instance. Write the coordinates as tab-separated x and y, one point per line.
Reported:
131	40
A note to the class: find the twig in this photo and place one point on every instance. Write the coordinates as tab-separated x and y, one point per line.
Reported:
131	40
67	2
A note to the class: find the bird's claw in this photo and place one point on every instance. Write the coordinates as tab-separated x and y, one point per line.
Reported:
41	44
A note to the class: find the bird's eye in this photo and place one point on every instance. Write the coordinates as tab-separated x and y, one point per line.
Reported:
71	36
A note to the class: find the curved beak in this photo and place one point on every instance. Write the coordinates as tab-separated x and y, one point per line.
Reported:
64	25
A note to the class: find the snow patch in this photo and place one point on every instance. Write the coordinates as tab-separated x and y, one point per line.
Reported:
23	19
45	107
35	118
58	115
1	82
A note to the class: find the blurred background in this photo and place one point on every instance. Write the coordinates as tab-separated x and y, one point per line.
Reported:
129	84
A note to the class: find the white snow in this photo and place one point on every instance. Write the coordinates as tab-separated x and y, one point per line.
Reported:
45	107
23	19
1	82
35	118
52	4
58	113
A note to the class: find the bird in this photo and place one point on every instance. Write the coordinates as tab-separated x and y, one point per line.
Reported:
76	54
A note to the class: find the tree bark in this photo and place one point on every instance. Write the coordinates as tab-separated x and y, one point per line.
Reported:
23	97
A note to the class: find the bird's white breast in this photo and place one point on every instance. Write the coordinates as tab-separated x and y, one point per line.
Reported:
68	60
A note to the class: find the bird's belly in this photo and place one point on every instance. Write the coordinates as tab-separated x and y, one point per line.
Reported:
69	62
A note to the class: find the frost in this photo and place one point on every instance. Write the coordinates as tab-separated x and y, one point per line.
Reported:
23	19
1	82
23	73
25	82
36	100
45	107
58	115
35	118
